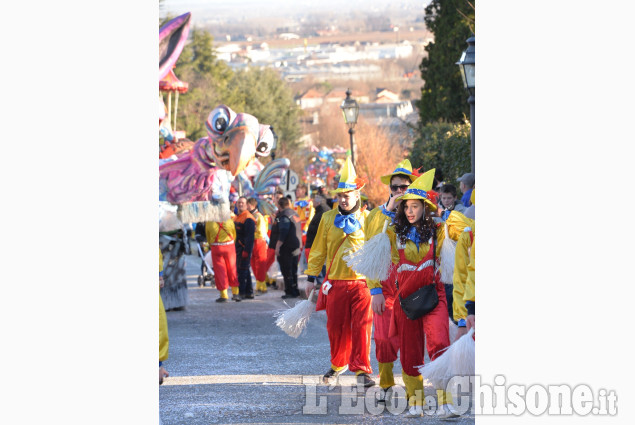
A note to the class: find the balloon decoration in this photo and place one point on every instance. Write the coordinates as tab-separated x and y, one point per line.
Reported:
324	165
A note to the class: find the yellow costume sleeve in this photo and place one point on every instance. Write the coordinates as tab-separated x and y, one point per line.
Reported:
332	245
160	260
469	283
373	225
461	260
310	217
261	227
317	256
164	341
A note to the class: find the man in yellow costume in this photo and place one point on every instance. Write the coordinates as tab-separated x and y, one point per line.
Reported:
383	293
463	280
220	237
343	293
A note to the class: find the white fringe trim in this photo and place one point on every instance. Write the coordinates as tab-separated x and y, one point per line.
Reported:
294	320
373	259
197	212
448	250
457	360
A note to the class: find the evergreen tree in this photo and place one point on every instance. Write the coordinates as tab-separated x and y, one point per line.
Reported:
263	94
443	97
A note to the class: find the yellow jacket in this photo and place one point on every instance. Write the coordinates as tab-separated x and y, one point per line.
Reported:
226	234
164	341
469	283
461	261
261	226
305	213
373	225
326	243
411	252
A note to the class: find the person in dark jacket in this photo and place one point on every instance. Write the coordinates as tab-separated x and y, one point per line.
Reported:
245	224
288	234
320	205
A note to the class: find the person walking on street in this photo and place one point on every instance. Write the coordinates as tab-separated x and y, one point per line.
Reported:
259	255
221	239
416	243
245	224
344	293
383	292
466	184
288	240
320	205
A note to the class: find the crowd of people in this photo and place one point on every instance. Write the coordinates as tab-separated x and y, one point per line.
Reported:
421	214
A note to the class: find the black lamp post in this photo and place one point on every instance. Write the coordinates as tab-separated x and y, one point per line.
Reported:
467	66
350	109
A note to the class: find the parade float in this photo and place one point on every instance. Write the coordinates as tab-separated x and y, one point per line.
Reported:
195	178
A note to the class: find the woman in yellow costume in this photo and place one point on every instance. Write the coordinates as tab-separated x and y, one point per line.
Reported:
416	243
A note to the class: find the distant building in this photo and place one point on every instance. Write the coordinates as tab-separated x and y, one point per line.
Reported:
310	99
385	96
337	95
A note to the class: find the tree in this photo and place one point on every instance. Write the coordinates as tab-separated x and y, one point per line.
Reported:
444	146
208	79
376	156
263	94
443	97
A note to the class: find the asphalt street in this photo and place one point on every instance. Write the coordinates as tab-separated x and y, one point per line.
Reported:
230	364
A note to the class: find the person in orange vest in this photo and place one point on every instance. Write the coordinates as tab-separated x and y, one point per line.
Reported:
259	255
220	237
245	224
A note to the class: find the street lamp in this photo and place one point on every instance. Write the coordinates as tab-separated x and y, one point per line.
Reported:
468	71
350	109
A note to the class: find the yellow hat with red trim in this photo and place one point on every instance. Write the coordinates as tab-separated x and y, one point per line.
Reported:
404	168
419	189
348	178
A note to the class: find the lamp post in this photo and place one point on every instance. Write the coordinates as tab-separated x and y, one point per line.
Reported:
350	109
467	66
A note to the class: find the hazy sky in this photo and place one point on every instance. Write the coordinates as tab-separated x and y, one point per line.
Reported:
277	7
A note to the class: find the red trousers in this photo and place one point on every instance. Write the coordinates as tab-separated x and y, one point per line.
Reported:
259	259
349	323
224	265
433	328
271	257
386	347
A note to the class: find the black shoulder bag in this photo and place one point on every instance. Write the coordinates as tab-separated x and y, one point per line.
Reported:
424	299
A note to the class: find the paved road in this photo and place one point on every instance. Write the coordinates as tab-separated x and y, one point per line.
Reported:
229	363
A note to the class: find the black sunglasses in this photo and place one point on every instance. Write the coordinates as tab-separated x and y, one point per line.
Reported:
396	187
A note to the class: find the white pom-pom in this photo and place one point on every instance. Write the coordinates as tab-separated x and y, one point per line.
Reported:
294	320
373	259
457	360
447	258
452	328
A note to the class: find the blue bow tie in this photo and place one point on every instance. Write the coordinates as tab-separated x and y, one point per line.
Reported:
348	223
445	215
413	235
301	204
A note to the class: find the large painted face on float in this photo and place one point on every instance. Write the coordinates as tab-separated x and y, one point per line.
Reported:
235	139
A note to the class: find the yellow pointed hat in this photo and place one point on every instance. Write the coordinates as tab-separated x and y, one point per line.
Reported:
419	189
403	168
348	178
